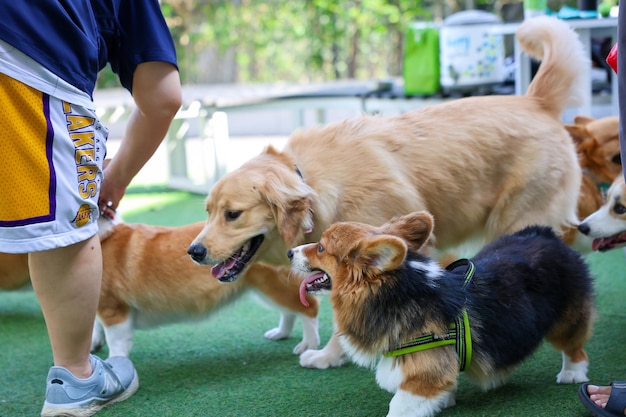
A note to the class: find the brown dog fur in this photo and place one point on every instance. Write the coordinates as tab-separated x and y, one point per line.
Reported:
13	271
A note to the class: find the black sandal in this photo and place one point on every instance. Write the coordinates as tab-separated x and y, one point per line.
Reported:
614	407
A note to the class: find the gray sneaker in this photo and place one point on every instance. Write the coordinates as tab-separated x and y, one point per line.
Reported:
112	381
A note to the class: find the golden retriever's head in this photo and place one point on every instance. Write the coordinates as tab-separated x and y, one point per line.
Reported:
261	208
597	144
350	255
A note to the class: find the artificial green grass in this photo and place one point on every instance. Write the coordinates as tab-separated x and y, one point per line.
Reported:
223	366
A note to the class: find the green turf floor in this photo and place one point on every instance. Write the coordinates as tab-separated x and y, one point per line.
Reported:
223	366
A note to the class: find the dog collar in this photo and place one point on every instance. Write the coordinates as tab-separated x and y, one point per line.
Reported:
458	334
309	230
604	187
108	213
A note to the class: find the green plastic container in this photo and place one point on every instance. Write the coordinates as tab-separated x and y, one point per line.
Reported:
420	65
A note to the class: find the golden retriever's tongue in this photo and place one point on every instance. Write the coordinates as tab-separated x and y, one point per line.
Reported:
303	285
218	270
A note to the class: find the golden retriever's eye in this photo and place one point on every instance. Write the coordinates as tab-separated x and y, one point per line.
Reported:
617	159
619	209
320	248
232	215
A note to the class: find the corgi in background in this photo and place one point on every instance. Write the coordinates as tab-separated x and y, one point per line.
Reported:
607	225
418	324
149	280
597	146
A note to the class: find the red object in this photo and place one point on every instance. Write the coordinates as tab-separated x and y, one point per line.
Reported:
611	58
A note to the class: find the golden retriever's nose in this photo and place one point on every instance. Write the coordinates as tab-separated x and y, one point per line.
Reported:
197	251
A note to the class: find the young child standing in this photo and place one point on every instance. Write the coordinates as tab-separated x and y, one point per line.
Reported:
51	178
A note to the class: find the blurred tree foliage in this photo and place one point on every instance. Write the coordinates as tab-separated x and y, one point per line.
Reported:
289	40
243	41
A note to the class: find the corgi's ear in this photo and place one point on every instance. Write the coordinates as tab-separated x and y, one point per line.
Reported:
416	228
578	132
585	144
583	120
379	253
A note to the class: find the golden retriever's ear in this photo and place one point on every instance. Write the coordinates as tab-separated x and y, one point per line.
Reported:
416	228
379	254
294	219
291	207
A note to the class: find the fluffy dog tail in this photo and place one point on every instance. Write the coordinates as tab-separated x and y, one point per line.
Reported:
560	80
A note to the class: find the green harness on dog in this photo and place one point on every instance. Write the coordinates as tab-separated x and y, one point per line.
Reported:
458	333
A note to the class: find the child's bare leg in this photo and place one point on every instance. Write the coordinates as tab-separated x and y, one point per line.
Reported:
67	283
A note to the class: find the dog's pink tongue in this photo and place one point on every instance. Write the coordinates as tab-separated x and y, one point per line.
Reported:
597	243
606	243
218	270
303	285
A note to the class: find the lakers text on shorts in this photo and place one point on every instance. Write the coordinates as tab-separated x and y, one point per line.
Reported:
52	153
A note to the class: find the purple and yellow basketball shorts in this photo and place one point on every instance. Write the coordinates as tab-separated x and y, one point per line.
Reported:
51	155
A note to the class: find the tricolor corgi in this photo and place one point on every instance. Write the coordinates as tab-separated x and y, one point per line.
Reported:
419	324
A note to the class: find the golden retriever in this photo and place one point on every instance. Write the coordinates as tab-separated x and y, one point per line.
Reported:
483	166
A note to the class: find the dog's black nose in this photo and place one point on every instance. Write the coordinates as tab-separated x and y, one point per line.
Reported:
289	254
583	228
197	251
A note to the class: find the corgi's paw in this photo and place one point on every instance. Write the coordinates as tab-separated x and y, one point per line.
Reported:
571	377
306	345
310	335
322	359
405	404
277	333
572	372
285	326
